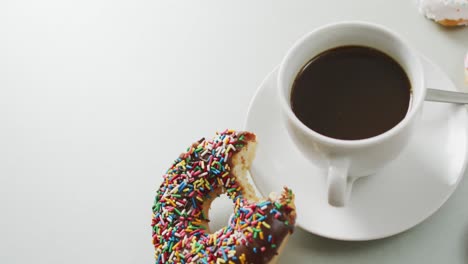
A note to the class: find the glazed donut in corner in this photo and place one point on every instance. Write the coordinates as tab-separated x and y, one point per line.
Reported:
446	12
257	230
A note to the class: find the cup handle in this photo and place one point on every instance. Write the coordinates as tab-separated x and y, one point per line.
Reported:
339	185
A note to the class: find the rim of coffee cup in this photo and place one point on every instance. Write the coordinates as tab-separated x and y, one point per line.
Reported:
415	103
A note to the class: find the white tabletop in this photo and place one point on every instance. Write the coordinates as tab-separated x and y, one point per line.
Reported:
97	97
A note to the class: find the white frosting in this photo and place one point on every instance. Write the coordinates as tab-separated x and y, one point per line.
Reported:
466	61
444	9
466	68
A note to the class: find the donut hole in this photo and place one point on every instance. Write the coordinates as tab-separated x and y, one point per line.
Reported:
220	212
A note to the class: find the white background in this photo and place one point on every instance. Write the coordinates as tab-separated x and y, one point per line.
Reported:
98	97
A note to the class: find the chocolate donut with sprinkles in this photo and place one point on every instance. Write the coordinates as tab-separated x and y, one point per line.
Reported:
257	230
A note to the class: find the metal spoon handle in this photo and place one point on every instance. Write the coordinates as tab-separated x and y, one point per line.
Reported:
435	95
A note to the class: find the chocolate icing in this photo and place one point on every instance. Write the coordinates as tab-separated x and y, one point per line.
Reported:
179	223
279	229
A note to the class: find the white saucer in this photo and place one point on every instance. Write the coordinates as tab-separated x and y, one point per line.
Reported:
397	198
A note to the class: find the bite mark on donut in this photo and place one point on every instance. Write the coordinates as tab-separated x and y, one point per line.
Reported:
258	228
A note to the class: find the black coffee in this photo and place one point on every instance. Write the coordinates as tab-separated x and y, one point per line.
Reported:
351	92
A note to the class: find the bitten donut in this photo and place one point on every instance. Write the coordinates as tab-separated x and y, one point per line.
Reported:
257	230
446	12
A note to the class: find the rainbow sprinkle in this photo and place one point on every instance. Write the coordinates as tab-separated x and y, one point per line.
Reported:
180	225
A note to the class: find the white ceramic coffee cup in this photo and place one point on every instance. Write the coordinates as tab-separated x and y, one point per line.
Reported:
347	160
